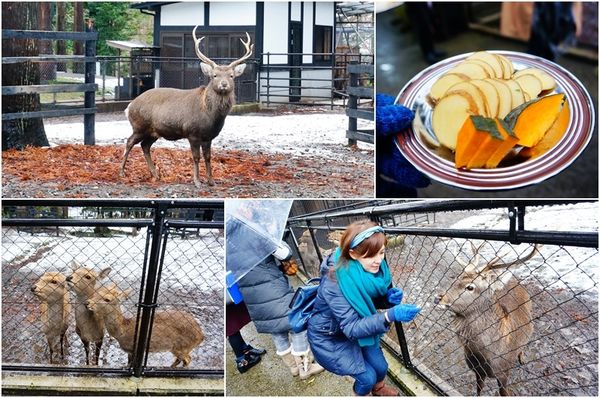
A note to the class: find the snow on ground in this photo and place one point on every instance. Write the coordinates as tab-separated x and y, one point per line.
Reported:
293	134
575	268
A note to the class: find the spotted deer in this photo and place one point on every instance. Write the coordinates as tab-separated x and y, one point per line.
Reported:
493	317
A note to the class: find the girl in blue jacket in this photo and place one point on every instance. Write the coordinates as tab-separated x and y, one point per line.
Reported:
345	327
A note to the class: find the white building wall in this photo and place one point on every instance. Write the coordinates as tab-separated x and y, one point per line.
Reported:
322	89
324	13
232	13
275	34
296	13
178	14
307	33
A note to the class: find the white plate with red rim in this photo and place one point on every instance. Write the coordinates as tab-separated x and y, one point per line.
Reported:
435	165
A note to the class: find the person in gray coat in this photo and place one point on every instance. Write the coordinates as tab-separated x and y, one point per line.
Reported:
345	327
267	294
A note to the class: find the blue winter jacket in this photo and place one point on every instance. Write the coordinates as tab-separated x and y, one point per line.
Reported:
335	327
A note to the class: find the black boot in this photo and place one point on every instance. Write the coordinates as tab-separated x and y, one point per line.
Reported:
255	351
244	364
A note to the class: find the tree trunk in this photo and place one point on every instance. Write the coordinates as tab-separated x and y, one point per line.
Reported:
47	69
61	48
78	67
19	133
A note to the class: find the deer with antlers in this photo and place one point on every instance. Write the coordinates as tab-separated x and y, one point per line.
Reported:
196	114
493	317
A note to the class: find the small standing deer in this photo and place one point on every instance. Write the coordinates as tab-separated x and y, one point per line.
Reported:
493	318
174	331
51	290
197	114
89	326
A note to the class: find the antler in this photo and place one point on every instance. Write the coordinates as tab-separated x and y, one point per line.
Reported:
249	49
199	54
495	265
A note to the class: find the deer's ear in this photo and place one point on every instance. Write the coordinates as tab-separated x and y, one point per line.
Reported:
74	265
239	70
104	273
206	69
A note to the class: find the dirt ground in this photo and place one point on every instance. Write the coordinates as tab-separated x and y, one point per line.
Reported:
288	154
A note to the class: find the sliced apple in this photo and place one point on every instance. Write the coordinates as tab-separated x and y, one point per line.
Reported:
508	66
530	84
475	93
516	93
449	115
487	67
504	97
471	69
439	88
490	94
489	59
548	82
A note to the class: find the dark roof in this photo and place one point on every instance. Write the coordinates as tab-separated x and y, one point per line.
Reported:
146	5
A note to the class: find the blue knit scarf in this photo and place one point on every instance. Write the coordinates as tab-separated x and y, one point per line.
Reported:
360	287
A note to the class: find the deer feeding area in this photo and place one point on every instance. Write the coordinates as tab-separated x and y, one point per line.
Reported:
551	345
282	153
191	281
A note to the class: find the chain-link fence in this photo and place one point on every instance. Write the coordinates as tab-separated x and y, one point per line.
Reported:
508	293
143	288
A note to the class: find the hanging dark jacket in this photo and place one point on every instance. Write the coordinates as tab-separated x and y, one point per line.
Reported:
267	294
335	327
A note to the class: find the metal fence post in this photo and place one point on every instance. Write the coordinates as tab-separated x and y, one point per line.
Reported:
149	299
89	119
352	104
268	77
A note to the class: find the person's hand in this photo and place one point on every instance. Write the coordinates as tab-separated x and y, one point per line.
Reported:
403	312
395	175
290	267
394	296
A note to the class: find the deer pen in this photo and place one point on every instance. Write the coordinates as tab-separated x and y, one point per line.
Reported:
508	290
164	259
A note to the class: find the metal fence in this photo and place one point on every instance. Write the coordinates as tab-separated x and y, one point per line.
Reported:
427	255
166	255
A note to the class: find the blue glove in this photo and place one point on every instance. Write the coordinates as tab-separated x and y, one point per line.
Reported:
396	177
403	312
394	296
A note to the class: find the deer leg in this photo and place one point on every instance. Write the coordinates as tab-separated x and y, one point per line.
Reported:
146	144
86	347
206	154
502	386
480	383
98	347
50	349
176	362
131	141
196	157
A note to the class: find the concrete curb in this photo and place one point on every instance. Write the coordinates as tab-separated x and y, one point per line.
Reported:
87	385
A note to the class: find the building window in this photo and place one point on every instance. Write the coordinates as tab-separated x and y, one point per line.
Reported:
322	43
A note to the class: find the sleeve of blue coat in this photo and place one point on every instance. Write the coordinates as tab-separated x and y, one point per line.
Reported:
352	325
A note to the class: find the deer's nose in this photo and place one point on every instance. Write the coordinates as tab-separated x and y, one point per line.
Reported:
69	278
33	288
437	299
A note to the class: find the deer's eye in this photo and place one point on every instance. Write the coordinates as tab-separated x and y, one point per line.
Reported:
107	300
470	287
88	277
215	75
231	76
54	282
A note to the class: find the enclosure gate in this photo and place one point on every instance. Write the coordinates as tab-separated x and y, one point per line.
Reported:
161	231
356	92
89	87
562	283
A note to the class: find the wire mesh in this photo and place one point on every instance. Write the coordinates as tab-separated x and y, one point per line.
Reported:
190	283
532	325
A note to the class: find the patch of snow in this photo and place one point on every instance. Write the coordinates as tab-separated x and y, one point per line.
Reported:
316	134
557	267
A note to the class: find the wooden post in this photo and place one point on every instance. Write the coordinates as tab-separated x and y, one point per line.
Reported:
89	119
352	104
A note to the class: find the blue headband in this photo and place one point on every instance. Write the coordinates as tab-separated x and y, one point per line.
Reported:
360	237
